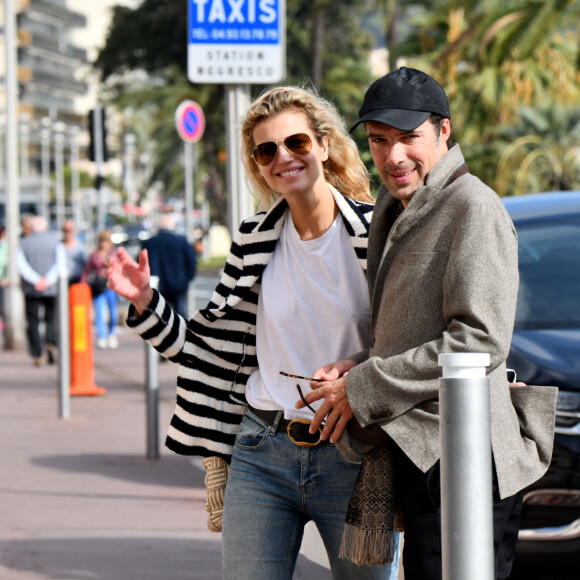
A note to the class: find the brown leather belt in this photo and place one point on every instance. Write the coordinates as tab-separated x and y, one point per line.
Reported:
296	429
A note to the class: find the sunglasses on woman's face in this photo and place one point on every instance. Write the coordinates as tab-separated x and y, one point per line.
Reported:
264	153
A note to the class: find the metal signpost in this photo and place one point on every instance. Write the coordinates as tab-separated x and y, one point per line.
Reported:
237	43
190	125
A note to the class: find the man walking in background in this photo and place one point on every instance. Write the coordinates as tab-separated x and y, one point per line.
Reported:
39	260
173	261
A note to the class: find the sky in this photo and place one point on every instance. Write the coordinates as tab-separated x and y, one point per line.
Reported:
98	15
92	37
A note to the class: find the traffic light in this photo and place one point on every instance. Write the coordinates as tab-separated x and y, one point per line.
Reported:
98	131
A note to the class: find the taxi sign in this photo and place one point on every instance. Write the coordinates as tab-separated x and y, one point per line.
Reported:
236	41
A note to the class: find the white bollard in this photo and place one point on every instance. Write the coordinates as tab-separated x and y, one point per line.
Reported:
466	485
63	338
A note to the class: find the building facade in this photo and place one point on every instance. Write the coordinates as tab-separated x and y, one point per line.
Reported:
48	65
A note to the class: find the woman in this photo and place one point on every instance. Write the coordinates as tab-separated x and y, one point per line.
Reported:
104	299
293	292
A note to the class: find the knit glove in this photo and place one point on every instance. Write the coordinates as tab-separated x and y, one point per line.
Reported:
215	482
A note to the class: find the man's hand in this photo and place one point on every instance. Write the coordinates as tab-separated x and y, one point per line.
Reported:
330	387
41	285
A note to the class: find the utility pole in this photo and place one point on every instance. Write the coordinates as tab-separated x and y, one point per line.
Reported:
14	302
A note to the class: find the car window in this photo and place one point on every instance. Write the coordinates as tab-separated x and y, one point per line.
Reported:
549	262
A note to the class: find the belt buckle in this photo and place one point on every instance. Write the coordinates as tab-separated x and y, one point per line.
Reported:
303	443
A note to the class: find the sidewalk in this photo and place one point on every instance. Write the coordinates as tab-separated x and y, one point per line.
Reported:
79	500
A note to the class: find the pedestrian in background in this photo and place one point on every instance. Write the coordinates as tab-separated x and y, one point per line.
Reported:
292	292
26	224
105	300
76	255
173	261
443	276
39	260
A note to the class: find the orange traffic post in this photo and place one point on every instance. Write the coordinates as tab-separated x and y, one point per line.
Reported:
81	344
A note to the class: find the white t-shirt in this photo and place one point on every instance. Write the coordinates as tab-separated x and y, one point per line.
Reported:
313	309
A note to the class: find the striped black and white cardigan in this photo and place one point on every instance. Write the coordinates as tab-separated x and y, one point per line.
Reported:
216	349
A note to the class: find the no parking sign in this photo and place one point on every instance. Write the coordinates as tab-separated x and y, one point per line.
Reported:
190	121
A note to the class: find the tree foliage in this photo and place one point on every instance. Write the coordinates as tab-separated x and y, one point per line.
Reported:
541	152
150	37
143	66
494	57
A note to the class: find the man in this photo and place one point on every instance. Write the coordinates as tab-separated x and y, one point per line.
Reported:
443	278
39	259
173	261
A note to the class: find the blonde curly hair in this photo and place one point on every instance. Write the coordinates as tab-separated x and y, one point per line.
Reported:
343	169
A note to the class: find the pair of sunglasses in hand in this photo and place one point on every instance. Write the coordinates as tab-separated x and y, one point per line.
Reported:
299	389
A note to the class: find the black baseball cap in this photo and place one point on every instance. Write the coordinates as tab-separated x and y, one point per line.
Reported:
403	99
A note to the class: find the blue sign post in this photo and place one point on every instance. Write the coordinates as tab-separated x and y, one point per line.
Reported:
236	41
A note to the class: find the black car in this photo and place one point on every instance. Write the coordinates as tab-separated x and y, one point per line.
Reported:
545	350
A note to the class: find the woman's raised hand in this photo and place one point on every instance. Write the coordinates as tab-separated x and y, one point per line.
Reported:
129	279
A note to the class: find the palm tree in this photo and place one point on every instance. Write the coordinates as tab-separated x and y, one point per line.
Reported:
152	103
542	152
495	56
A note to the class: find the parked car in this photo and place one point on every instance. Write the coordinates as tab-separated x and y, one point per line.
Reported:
545	350
131	237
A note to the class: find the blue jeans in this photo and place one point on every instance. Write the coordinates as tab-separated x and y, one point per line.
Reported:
274	488
103	302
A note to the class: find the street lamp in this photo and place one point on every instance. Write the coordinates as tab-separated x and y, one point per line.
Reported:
24	140
45	166
74	177
59	129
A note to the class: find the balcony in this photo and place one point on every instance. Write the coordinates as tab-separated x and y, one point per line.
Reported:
52	80
53	12
38	42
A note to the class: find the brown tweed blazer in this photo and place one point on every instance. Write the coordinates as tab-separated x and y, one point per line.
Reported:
444	278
